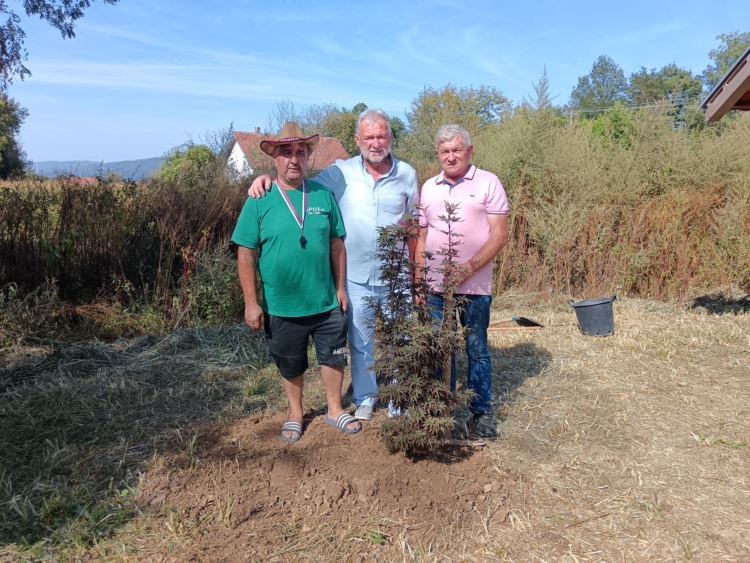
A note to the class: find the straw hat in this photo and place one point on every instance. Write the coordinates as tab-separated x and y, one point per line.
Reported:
290	133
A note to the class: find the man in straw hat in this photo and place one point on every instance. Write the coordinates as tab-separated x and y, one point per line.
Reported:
373	189
294	239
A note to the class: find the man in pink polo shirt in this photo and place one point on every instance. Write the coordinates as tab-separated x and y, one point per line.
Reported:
483	209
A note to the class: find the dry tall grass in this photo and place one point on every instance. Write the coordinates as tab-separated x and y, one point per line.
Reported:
622	203
649	210
124	247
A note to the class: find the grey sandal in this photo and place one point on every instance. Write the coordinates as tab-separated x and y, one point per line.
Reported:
343	421
291	426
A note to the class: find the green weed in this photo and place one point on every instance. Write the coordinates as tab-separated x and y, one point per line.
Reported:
377	537
735	444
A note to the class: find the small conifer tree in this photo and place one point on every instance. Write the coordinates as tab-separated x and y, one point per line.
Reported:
410	347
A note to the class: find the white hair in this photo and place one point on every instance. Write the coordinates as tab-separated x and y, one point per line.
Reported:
450	132
373	114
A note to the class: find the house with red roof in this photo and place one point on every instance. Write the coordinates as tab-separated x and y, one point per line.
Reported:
245	155
80	181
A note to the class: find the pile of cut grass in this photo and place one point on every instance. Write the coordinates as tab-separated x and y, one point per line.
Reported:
79	421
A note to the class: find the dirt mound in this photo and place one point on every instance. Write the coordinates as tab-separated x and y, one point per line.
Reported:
244	494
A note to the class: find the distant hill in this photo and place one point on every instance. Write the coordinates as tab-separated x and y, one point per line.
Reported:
128	169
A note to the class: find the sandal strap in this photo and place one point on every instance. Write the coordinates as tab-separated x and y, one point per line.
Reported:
344	420
292	426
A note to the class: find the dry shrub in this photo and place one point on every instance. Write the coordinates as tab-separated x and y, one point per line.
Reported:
185	215
72	233
35	313
108	319
656	213
426	170
96	240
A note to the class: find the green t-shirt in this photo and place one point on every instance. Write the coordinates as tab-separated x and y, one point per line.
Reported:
297	282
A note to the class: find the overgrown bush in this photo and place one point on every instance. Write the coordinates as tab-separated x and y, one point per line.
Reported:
96	240
622	201
211	291
37	312
188	164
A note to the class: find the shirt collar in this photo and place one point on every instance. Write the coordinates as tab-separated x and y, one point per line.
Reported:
391	171
468	176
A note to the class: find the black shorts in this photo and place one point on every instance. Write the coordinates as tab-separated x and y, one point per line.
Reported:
287	339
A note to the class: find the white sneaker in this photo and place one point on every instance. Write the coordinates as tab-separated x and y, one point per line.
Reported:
393	412
363	412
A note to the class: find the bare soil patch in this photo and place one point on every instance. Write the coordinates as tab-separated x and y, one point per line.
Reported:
247	495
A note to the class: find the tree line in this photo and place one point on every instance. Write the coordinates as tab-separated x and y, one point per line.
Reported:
676	90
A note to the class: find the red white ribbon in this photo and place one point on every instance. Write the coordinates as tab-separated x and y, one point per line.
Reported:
300	220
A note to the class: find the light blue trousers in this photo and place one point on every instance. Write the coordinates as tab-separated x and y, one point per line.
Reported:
359	316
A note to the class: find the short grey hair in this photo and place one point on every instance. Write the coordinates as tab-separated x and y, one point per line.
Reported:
450	132
374	114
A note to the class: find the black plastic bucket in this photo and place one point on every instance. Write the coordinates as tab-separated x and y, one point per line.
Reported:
595	316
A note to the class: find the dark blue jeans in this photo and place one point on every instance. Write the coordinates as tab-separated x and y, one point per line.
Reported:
474	314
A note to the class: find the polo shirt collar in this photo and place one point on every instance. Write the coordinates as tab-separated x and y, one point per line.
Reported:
468	176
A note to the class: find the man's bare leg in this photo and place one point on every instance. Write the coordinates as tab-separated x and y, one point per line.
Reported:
333	379
293	389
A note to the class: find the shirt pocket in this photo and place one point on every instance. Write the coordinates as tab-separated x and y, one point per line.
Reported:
393	203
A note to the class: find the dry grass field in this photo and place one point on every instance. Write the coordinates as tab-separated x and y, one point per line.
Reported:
633	447
629	448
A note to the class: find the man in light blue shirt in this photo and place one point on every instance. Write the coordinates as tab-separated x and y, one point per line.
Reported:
373	190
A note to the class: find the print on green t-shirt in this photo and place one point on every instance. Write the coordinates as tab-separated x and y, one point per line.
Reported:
297	282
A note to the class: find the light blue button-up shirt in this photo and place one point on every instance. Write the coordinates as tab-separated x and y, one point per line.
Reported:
366	205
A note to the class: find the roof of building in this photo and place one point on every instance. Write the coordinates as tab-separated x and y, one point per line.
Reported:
81	180
732	91
329	149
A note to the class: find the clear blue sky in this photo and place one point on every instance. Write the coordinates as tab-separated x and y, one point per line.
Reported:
143	76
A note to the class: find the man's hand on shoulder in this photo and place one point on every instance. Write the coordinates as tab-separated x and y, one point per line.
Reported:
260	186
254	316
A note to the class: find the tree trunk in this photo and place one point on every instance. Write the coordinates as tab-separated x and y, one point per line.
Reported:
447	321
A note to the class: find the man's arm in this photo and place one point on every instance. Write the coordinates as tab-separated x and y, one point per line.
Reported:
412	207
262	184
498	239
412	245
338	269
246	269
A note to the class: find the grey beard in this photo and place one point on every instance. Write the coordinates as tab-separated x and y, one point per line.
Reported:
387	155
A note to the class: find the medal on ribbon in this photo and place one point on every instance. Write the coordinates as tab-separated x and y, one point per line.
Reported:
300	219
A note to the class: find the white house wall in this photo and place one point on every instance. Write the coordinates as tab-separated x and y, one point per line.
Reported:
238	162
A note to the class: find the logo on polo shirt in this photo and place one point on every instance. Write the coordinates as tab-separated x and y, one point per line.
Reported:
316	211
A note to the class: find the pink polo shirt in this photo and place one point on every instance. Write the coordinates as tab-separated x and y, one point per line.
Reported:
478	194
